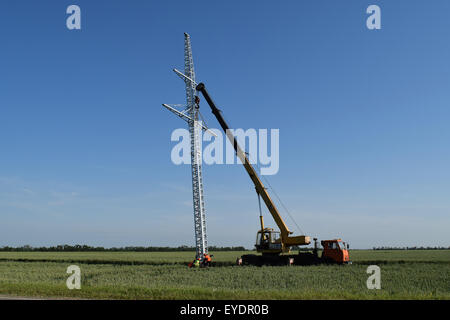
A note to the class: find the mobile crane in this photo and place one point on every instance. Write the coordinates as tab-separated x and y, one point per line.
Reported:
275	246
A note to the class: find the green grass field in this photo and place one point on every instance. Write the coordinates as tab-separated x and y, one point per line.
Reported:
417	274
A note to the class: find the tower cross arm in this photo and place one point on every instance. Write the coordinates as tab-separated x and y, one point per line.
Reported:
185	117
185	78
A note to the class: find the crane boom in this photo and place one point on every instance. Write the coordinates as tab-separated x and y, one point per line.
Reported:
286	239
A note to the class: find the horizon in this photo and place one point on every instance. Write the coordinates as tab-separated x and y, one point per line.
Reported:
192	248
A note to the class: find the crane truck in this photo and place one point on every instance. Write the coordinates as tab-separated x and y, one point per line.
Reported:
275	246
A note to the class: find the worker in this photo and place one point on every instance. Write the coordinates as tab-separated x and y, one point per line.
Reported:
206	260
197	263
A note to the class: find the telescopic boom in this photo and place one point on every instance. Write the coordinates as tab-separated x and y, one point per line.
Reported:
286	239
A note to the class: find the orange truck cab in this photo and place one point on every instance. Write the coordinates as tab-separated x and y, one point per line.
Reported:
335	251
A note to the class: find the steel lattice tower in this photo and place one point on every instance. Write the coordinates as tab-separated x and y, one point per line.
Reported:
191	115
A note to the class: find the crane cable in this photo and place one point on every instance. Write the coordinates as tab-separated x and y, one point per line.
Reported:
203	119
259	203
276	195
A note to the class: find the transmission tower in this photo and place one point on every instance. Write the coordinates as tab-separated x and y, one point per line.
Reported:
191	115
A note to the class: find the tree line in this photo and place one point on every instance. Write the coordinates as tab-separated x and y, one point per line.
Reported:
85	248
411	248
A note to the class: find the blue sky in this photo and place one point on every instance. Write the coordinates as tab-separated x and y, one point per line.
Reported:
363	118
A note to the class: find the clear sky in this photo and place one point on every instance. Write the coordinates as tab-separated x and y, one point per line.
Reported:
363	118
